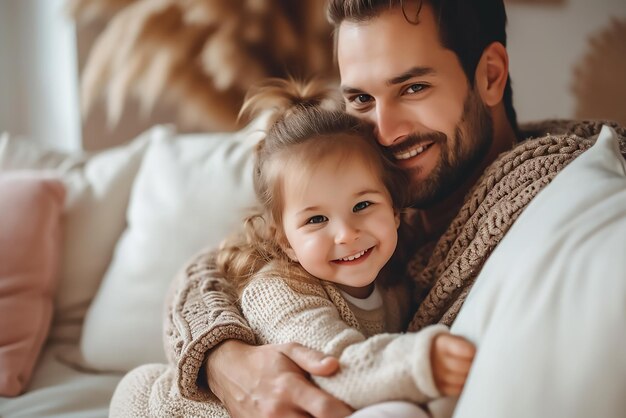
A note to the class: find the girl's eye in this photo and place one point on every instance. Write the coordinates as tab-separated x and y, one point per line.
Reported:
416	88
360	206
318	219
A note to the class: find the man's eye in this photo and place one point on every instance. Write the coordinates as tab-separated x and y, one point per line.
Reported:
360	99
318	219
363	98
360	206
416	88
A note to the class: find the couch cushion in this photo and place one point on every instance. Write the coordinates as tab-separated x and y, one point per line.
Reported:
190	192
98	189
95	217
30	249
547	310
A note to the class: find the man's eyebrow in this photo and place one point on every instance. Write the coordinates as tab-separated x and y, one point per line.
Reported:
407	75
345	90
413	72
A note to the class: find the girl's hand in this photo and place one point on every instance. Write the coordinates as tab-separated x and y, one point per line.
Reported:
451	357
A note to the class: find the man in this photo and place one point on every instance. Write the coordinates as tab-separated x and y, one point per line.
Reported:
444	114
433	77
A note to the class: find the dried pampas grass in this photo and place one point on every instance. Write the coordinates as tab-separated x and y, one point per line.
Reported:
202	56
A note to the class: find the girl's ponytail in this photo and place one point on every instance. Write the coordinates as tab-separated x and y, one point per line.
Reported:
284	96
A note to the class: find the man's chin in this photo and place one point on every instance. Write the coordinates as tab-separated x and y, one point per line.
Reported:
431	190
424	188
425	201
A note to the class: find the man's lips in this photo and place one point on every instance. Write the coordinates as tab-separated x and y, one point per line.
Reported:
354	258
408	153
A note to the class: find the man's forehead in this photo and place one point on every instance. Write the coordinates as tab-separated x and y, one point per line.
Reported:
387	47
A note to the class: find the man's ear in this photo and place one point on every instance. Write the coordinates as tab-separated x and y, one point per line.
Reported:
492	74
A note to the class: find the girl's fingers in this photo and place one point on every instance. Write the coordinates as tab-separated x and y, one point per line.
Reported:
459	347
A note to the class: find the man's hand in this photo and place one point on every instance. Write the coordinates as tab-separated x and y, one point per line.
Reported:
272	381
451	358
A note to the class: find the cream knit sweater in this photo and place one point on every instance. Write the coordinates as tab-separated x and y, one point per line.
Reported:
314	313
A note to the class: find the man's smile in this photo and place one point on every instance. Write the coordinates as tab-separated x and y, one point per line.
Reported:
416	156
413	151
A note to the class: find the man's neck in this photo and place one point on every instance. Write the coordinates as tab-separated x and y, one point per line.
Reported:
436	219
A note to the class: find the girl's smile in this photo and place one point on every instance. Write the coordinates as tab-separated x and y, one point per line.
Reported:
355	258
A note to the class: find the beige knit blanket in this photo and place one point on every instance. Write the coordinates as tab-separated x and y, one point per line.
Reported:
490	209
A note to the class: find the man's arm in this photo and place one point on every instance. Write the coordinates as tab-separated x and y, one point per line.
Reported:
201	314
205	335
271	381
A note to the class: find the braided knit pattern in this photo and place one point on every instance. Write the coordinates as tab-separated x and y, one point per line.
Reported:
192	328
489	210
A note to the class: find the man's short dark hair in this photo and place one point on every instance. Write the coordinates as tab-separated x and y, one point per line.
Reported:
466	27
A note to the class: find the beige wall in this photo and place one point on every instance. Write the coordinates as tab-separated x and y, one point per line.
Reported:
546	44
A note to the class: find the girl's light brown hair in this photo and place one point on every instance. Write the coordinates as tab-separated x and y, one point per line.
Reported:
307	125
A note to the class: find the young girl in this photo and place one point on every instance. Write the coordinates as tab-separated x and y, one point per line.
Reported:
314	267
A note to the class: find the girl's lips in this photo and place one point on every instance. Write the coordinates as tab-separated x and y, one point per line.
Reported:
356	260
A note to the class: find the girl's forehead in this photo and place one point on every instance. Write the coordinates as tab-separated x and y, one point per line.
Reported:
332	175
333	161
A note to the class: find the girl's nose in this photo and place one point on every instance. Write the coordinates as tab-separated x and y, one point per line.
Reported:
346	233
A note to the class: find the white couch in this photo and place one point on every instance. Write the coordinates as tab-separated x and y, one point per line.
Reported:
135	214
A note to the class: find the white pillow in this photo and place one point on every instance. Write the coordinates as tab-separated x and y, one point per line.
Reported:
98	189
190	193
547	311
94	219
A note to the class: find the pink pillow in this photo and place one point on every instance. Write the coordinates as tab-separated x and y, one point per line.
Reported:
30	246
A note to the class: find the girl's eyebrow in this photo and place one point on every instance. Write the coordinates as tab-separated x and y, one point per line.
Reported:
317	208
308	209
367	191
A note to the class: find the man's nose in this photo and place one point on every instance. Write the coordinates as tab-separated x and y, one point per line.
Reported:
346	232
392	124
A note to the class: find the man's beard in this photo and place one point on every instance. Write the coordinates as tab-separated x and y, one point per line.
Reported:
459	158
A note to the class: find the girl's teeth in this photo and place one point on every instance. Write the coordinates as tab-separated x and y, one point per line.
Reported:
353	257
